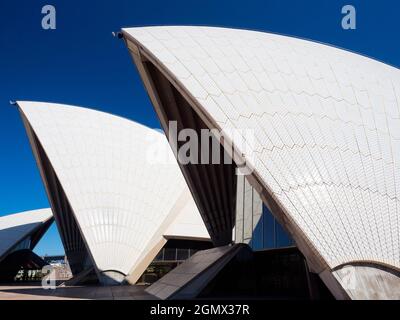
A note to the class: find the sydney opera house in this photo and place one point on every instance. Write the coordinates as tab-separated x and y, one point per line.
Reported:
306	207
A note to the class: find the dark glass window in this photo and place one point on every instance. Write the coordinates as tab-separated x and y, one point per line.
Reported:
282	238
182	254
160	255
169	254
269	229
257	242
268	233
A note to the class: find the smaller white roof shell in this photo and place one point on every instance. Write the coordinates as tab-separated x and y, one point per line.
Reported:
16	227
123	197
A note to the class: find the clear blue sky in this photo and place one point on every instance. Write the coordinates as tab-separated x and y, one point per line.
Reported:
80	62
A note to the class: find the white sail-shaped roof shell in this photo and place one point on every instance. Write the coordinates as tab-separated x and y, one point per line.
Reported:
14	228
122	198
326	124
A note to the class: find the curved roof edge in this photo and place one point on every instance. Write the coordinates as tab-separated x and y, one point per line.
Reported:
369	263
125	30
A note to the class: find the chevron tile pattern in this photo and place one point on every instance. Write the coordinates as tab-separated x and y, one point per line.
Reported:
326	123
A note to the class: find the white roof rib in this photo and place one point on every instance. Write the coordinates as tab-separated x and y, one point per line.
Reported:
122	201
16	227
326	121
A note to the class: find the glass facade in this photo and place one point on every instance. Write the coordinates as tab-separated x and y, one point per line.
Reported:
268	233
255	224
174	254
